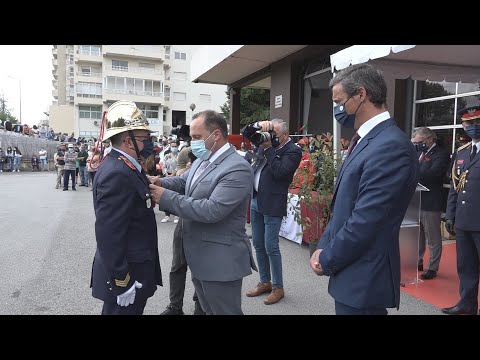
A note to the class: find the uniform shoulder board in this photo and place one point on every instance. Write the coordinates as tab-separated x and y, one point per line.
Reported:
464	146
128	162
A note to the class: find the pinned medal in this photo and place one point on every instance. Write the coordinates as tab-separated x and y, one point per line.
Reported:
148	201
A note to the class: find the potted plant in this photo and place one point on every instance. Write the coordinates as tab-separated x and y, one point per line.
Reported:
315	189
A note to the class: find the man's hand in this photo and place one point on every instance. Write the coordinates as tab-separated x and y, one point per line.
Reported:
315	263
157	192
266	125
155	180
128	297
450	226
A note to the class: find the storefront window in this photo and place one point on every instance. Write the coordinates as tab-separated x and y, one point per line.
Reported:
432	89
467	87
435	113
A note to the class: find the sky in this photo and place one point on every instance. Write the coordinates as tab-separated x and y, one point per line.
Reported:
32	66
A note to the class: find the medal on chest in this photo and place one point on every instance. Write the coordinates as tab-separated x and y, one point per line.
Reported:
148	201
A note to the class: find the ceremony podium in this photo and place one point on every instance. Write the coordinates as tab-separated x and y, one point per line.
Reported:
409	238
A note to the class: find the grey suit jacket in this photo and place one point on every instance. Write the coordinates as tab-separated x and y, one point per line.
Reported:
214	211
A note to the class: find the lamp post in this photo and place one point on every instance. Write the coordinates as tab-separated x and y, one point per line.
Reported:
20	90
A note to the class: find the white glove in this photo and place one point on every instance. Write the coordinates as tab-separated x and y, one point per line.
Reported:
128	297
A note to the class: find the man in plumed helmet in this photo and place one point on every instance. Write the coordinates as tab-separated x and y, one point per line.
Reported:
126	267
462	214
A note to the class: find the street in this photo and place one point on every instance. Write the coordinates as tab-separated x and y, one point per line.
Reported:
48	244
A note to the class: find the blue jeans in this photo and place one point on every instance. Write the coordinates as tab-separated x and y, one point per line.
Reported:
265	230
83	175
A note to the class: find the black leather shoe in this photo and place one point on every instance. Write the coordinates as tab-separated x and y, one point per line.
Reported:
198	309
172	311
456	310
420	267
429	274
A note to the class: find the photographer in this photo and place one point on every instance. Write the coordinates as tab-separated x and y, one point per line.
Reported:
274	164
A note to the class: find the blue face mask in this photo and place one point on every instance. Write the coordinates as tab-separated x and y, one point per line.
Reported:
147	148
199	149
174	150
340	113
473	131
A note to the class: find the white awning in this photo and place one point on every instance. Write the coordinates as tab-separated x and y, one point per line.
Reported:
453	63
358	54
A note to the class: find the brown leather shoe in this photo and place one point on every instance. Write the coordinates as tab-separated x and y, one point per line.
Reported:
275	296
260	289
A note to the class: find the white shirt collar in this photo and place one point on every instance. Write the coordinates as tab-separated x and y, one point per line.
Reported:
219	152
368	125
132	160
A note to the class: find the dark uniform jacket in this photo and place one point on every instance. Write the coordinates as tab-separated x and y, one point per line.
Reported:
464	203
276	176
125	230
432	170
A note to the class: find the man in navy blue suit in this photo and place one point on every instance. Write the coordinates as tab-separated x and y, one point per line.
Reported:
126	267
462	217
274	165
359	249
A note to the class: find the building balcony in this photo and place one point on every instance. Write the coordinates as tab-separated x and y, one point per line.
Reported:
88	99
88	56
153	52
55	63
149	97
134	72
55	74
55	94
95	77
55	52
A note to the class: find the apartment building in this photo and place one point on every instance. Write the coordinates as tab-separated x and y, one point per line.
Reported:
87	79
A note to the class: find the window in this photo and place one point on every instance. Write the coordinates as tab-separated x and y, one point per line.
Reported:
164	115
89	90
90	112
180	55
92	50
146	65
179	96
179	75
120	65
150	111
90	71
205	97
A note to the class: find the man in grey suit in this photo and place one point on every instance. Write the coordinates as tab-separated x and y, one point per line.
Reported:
212	198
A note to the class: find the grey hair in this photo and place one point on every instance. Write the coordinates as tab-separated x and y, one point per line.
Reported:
426	132
283	123
366	76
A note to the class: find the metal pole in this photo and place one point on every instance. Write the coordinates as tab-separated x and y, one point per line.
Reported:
20	85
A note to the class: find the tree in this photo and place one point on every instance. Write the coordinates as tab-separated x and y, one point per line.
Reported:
5	111
254	105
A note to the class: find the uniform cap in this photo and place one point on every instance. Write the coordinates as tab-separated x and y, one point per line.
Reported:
470	113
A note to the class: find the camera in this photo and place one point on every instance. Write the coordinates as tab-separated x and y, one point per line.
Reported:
259	137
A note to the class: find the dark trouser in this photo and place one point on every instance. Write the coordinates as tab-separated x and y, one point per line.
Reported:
430	234
219	297
178	272
468	253
66	174
113	309
342	309
92	175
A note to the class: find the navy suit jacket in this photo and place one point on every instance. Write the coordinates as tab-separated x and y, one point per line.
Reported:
360	245
125	230
431	171
276	176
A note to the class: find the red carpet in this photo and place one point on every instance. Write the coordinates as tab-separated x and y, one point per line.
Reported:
442	291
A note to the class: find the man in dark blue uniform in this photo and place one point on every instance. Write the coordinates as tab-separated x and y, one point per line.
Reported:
462	215
126	267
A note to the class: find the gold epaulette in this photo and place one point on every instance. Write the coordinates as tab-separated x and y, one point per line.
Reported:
128	162
464	146
123	283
